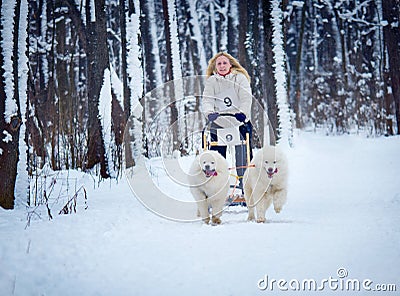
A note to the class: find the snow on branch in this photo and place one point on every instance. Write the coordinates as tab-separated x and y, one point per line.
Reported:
280	75
7	19
134	60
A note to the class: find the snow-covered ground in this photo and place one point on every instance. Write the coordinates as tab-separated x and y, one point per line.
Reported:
342	217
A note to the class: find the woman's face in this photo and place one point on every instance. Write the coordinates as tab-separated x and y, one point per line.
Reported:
223	65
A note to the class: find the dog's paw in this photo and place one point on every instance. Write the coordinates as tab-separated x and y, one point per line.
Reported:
261	220
206	220
251	218
216	221
277	210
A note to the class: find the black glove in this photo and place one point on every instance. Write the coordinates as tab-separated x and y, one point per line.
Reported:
213	116
240	117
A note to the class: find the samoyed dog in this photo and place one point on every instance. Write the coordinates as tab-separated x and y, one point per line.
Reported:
265	182
209	184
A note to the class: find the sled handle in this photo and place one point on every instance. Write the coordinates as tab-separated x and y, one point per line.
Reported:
221	114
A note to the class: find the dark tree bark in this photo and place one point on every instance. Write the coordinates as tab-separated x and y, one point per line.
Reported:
270	92
391	13
147	43
170	75
46	109
127	91
255	67
9	148
97	62
64	97
242	57
124	66
298	94
233	33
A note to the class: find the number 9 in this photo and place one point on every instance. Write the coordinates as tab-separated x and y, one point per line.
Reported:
228	101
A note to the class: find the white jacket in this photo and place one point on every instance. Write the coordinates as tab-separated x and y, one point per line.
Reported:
229	94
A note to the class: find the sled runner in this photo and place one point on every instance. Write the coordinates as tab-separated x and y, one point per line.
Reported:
233	142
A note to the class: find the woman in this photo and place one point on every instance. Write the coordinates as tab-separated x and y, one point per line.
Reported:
227	90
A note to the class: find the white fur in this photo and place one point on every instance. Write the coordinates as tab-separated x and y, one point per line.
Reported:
209	191
260	190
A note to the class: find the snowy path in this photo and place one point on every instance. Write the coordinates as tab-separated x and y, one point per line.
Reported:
343	212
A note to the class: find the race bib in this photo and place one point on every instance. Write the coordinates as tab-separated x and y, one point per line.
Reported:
227	100
229	136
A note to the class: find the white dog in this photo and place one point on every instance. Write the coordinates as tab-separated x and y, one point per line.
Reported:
209	184
266	182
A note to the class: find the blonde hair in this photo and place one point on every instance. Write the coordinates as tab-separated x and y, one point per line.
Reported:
236	67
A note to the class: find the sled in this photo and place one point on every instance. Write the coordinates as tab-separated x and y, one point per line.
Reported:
231	139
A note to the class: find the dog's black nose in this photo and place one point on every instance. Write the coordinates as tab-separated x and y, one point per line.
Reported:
270	169
207	167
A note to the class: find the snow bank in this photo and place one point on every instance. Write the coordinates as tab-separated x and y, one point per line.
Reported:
341	218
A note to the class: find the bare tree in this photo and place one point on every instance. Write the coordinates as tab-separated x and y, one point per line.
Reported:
10	117
270	94
170	74
97	62
391	13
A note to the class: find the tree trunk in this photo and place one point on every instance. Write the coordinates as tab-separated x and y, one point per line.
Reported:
233	32
97	62
22	181
391	13
270	93
242	7
170	76
124	65
64	98
298	72
127	91
9	127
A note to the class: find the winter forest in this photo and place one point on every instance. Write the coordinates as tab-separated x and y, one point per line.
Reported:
80	77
